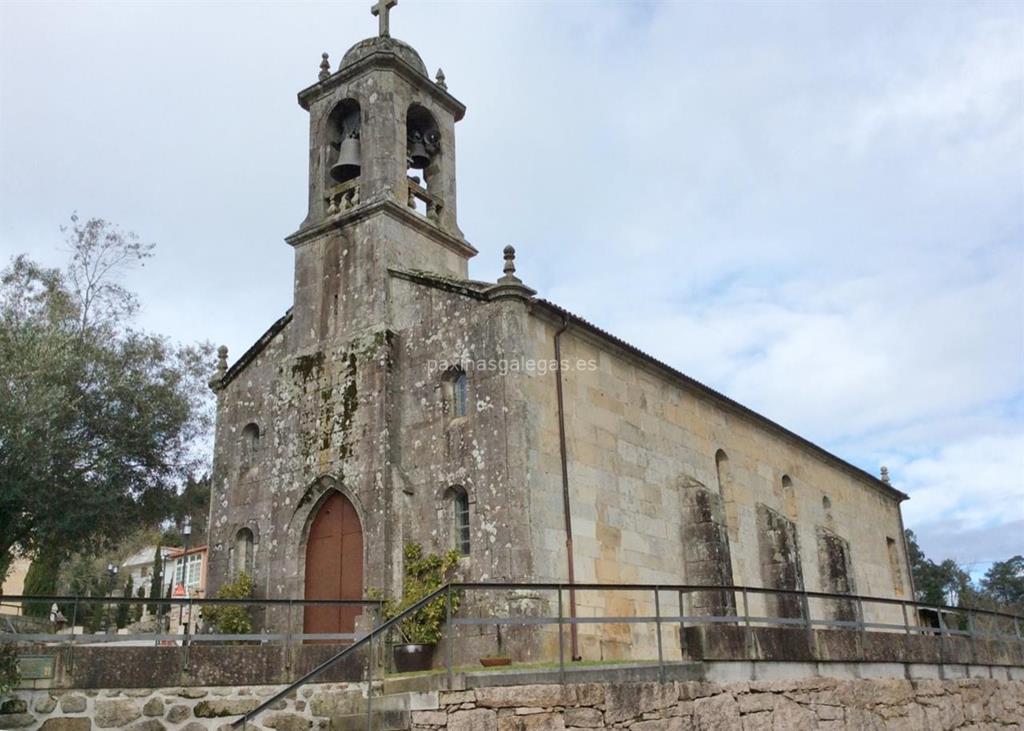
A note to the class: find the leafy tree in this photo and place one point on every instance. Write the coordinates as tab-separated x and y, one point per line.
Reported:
41	580
1004	581
96	417
944	583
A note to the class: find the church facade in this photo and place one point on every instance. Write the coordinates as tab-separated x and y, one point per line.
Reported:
399	401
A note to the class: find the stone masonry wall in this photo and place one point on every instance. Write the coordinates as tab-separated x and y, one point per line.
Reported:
790	705
819	703
182	709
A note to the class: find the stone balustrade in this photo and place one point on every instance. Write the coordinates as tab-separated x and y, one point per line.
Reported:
417	192
342	198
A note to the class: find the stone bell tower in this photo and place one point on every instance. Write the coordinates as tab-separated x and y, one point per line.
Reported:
382	190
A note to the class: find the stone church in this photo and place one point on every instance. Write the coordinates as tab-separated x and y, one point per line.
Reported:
400	401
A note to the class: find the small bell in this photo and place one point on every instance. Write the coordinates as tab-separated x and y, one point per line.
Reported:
349	159
418	157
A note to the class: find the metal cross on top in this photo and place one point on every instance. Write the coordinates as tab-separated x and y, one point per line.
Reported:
381	9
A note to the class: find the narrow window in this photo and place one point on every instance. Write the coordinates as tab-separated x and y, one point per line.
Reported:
458	393
244	558
894	566
460	513
725	490
250	443
789	497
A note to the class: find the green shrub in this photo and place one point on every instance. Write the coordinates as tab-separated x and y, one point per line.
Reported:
231	619
423	575
10	675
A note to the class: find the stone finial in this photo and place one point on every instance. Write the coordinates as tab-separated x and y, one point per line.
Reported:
222	368
509	285
325	66
439	79
222	360
510	265
885	475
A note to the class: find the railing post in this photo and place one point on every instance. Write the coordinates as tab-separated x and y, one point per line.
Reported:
369	686
860	628
657	627
561	640
187	636
288	639
74	622
747	634
942	645
449	631
806	606
970	634
906	621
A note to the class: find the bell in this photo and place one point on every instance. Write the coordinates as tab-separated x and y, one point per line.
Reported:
348	163
418	157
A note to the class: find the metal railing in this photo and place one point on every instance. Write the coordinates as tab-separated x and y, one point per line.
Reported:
659	619
166	612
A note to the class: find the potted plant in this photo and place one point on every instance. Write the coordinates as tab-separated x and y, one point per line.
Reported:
421	630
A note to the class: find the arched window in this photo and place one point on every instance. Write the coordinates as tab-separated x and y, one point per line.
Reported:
789	497
460	518
244	552
251	436
721	471
725	490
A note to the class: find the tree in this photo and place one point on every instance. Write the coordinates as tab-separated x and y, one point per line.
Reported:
157	580
124	610
944	583
96	417
1004	581
41	580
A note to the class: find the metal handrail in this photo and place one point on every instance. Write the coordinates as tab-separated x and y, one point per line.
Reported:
554	586
369	637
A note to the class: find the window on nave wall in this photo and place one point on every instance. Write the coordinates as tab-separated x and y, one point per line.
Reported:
244	559
459	500
457	393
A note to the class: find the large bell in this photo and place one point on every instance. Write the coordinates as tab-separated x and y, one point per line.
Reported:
418	157
349	157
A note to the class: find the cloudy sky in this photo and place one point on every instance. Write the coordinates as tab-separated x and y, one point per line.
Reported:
813	207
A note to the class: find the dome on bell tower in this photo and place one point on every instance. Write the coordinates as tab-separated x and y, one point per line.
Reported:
383	44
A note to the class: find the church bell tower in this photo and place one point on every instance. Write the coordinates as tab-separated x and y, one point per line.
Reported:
382	184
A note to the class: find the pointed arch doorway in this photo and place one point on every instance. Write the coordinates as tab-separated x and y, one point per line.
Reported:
334	566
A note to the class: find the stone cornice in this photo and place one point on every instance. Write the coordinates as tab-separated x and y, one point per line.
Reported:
387	207
382	59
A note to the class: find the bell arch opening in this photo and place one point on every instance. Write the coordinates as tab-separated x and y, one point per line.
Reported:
334	566
423	156
344	149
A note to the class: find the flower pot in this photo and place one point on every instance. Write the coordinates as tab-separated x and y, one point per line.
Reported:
493	662
411	658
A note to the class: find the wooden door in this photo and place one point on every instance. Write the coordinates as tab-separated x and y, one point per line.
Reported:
334	566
